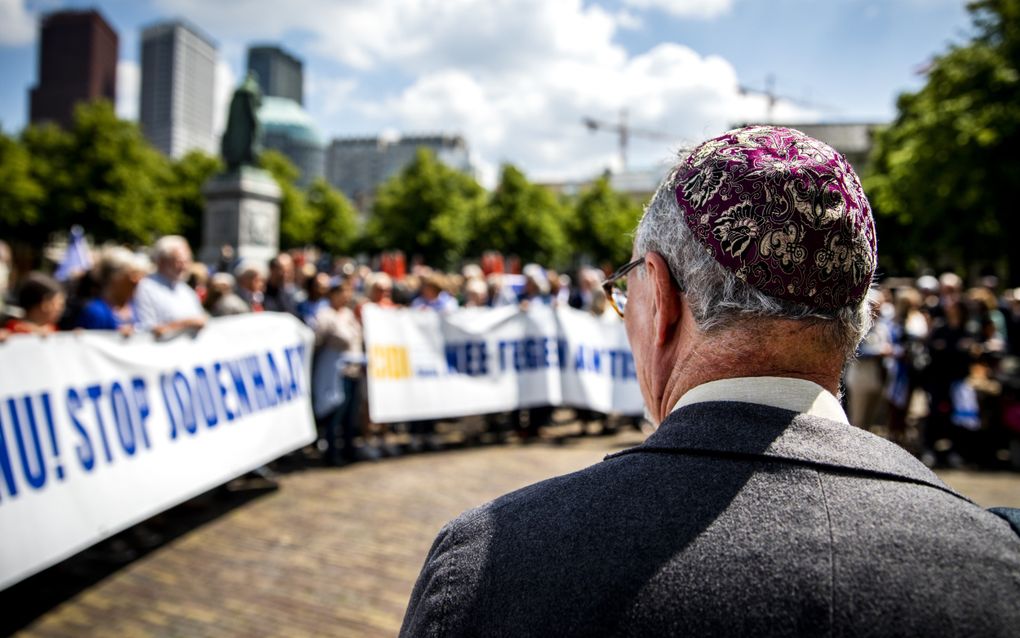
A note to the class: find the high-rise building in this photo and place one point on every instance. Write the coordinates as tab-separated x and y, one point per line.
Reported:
357	166
278	73
178	87
77	63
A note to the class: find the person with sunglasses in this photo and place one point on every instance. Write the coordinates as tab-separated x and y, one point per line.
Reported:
755	509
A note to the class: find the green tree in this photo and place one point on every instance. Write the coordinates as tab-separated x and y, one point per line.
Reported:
336	221
604	221
943	173
184	191
49	150
116	179
428	209
297	220
21	194
524	219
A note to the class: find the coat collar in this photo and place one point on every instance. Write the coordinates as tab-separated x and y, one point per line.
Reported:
799	395
753	431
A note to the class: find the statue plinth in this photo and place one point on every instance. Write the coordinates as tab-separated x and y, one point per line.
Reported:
242	209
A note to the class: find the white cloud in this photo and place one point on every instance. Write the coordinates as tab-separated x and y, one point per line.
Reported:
129	77
685	8
330	94
514	77
17	25
625	19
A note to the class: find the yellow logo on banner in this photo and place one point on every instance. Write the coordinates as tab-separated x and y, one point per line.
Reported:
389	362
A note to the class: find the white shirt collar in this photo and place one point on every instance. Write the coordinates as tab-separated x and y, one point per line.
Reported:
798	395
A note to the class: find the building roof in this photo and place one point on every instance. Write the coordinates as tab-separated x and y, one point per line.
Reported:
159	28
439	139
280	115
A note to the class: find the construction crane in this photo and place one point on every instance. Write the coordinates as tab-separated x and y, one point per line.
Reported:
772	98
625	132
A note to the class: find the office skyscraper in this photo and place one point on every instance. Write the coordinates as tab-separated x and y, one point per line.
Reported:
279	73
178	85
77	63
358	165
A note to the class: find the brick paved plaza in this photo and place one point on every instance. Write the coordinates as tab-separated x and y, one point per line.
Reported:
332	551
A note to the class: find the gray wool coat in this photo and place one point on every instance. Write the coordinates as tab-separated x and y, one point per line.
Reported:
733	519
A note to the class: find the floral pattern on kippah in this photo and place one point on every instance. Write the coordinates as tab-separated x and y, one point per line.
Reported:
782	211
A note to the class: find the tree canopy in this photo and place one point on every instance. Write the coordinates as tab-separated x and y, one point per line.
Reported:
336	220
943	173
428	209
184	191
297	220
604	222
102	174
524	219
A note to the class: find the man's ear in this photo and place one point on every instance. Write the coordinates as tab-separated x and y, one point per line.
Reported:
666	297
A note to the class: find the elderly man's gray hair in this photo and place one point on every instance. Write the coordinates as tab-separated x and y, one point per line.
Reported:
166	246
718	299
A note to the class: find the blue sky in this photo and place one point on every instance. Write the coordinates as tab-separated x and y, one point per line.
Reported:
515	77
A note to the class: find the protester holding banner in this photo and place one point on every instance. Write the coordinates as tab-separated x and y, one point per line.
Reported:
756	509
165	304
315	298
221	300
537	290
118	274
42	300
339	368
281	295
432	296
251	284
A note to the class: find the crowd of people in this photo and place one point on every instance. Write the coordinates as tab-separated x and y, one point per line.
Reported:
165	292
938	373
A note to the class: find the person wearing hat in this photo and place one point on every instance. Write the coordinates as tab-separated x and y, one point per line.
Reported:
755	508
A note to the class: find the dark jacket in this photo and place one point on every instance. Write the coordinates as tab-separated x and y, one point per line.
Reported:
733	519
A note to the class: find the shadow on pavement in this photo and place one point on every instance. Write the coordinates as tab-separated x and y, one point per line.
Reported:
29	599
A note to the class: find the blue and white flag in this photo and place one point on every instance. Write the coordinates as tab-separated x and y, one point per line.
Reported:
77	258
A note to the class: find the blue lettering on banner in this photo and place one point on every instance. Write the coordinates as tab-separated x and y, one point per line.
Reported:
84	451
54	445
618	364
116	427
218	376
470	358
531	353
27	416
141	411
185	402
204	390
240	389
121	406
122	419
205	397
5	464
95	392
33	468
282	390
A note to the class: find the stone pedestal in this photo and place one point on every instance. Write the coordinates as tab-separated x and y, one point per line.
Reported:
242	209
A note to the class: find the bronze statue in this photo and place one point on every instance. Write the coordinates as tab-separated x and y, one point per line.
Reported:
242	141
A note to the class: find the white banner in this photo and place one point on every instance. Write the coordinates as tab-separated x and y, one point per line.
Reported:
98	432
423	365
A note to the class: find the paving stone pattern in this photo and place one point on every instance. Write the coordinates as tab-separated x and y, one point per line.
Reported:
333	552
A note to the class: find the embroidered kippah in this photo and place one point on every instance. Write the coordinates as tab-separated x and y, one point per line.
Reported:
783	212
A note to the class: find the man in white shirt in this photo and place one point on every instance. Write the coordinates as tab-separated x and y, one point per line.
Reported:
755	509
164	302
